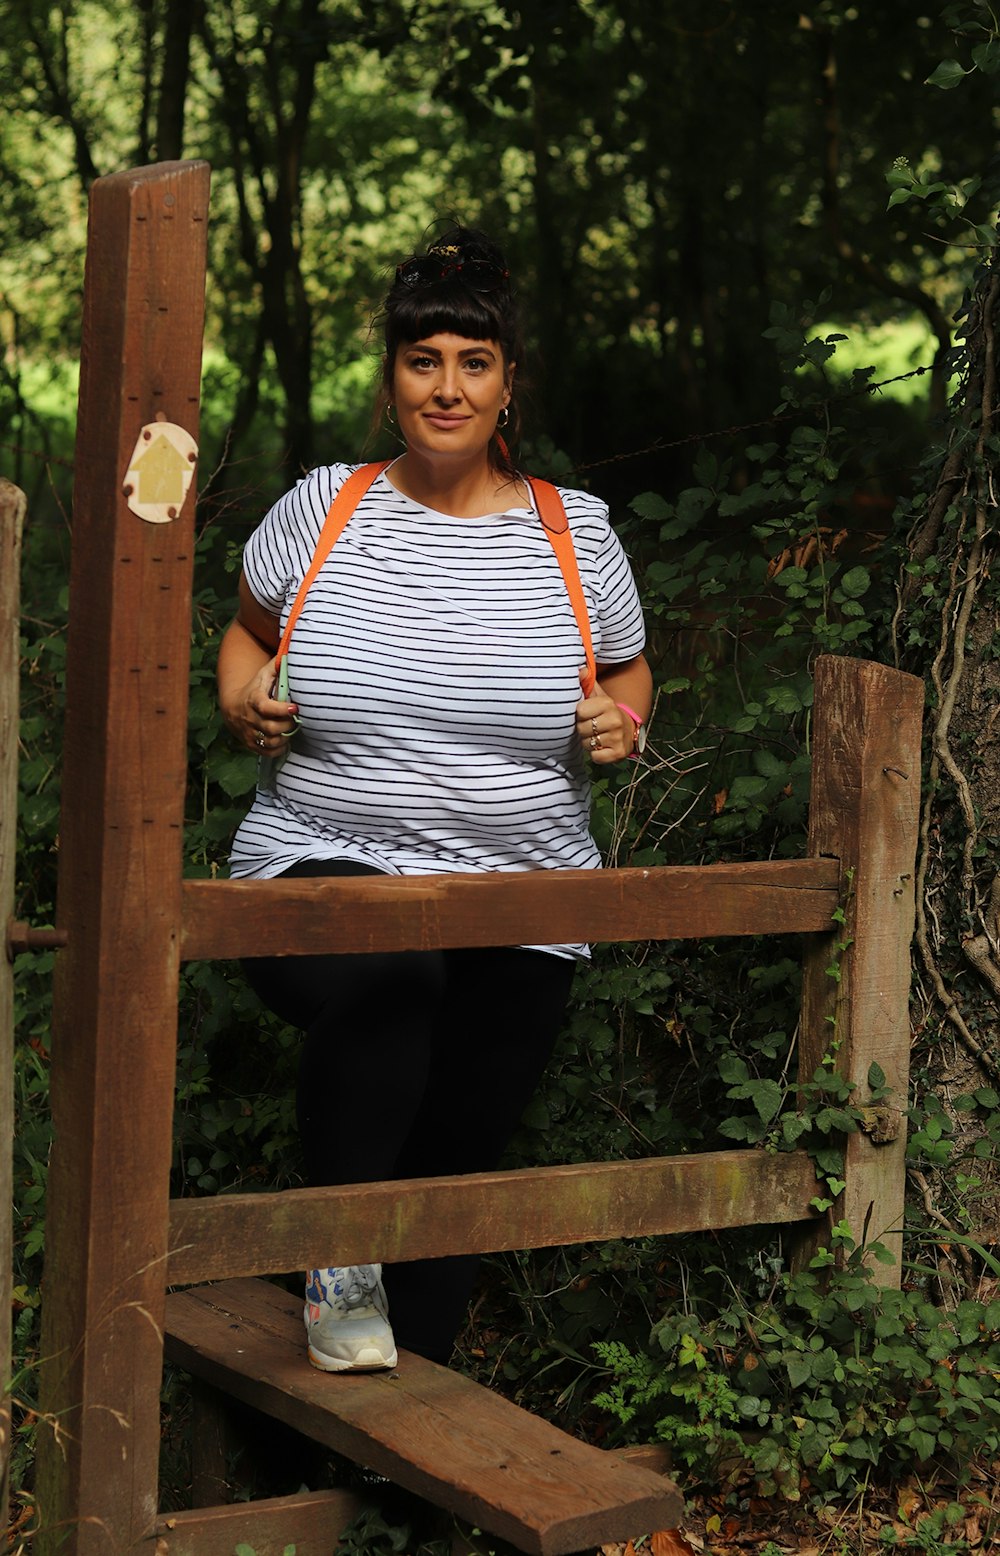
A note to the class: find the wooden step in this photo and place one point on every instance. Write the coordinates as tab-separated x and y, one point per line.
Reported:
425	1427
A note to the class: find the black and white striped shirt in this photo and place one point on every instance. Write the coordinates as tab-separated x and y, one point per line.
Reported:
435	667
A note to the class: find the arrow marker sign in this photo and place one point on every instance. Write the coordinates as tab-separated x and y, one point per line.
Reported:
160	471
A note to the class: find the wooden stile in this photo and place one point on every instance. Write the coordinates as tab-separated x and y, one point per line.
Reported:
120	860
12	506
127	919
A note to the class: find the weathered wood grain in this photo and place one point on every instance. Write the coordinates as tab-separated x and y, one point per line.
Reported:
425	1427
311	1521
12	506
534	1207
419	912
124	763
863	810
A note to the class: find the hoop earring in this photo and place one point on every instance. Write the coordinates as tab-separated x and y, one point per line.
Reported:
390	419
505	413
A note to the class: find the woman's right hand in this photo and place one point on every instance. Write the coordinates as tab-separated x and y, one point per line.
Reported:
256	718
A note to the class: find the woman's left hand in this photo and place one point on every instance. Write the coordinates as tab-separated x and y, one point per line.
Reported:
606	733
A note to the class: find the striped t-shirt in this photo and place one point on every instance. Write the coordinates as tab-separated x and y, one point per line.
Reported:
435	667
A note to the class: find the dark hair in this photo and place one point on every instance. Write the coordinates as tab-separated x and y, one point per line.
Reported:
430	304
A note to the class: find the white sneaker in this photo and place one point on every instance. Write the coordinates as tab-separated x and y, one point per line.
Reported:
347	1319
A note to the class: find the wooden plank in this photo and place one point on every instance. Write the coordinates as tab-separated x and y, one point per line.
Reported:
124	763
404	913
427	1428
535	1207
12	506
312	1521
212	1442
864	810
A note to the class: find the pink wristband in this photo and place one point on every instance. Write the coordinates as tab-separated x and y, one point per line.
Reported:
639	737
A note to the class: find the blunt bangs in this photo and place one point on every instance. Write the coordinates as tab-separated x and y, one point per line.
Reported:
445	308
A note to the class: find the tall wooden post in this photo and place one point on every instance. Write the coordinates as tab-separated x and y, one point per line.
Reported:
120	860
11	521
864	810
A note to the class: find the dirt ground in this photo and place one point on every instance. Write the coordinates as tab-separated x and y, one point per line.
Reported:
933	1519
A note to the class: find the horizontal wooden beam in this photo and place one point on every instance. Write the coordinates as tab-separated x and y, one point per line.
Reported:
230	919
536	1207
311	1521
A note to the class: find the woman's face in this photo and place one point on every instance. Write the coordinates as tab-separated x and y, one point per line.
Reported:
448	392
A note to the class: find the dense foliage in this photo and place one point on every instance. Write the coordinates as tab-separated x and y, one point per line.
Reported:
695	199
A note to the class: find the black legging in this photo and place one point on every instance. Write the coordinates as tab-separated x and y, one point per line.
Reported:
415	1064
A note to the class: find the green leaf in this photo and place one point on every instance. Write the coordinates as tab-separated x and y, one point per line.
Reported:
986	56
856	583
536	1115
923	1442
732	1069
793	1126
650	505
947	75
876	1076
766	1097
735	1129
799	1366
236	775
784	699
769	765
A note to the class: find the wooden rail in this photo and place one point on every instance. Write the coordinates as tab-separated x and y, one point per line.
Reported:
419	912
536	1207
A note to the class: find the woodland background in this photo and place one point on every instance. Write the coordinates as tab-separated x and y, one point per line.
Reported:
755	246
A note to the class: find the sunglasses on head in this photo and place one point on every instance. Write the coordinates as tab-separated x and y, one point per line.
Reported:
480	275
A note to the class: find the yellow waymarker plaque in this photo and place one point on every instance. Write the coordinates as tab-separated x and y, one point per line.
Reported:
160	471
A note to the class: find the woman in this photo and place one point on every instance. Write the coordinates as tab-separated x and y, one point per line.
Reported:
435	722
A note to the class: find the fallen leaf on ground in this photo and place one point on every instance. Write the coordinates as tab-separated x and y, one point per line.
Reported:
670	1542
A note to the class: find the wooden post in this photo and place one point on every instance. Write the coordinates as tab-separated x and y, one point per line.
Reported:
120	861
864	810
12	504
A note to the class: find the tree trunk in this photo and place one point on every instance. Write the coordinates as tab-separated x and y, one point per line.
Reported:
958	884
177	30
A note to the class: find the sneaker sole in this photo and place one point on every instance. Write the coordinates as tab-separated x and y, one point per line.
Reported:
368	1361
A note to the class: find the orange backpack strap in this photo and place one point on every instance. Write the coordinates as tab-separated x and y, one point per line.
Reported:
556	526
554	522
338	513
